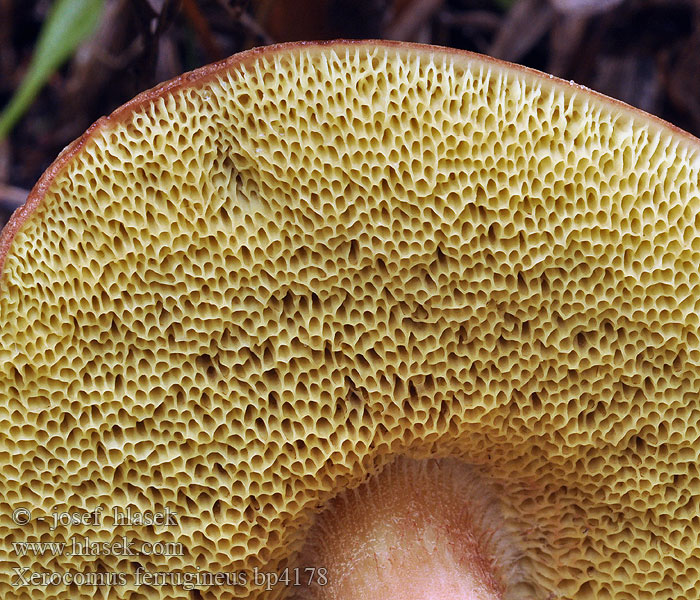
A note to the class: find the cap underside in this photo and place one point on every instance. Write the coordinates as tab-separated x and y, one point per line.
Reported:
253	288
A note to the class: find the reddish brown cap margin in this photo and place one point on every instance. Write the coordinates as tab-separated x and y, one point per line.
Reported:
207	72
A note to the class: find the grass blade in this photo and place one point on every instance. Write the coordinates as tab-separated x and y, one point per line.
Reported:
69	22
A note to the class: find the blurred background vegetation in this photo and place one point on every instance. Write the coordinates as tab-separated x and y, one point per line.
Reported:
65	63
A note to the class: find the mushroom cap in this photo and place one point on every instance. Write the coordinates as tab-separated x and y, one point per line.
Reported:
260	283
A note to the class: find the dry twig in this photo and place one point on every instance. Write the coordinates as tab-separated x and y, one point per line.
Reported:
200	25
525	25
411	19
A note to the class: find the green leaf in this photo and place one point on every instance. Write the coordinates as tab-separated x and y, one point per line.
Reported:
68	23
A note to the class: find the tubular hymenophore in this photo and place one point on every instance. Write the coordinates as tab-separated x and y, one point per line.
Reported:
420	320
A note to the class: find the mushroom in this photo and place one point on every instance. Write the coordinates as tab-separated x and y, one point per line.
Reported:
319	290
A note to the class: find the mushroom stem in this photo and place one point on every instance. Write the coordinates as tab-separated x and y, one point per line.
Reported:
419	530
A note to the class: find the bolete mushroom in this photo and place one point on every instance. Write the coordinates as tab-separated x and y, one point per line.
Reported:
462	291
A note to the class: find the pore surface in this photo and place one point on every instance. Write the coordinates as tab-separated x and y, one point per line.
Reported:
247	293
